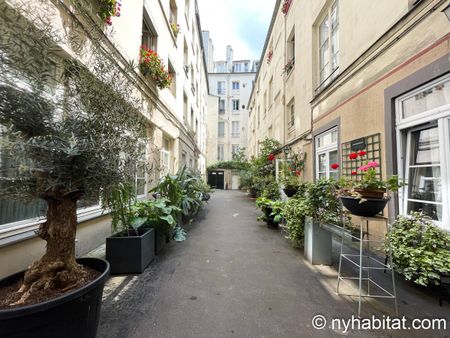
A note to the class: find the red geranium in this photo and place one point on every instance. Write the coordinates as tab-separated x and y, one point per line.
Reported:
298	172
353	156
271	157
334	166
354	173
362	153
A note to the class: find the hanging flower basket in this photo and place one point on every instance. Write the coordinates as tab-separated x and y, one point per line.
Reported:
288	66
109	9
364	207
151	65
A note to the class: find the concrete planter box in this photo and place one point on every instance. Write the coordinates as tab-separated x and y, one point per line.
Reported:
318	243
131	254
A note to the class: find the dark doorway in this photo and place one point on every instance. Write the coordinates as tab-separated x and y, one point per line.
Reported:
216	179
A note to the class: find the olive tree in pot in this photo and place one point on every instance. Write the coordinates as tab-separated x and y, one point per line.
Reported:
71	134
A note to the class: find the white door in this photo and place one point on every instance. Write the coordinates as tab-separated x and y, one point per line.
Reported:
234	182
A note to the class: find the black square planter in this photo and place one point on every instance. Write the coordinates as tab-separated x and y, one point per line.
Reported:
131	254
160	241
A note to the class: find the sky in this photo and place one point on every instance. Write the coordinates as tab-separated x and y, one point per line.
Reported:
242	24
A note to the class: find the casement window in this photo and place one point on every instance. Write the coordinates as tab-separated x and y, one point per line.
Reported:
326	148
173	84
221	87
235	132
187	8
221	129
270	91
220	152
165	157
237	68
235	85
423	134
291	114
173	12
329	45
149	35
185	109
221	106
235	104
234	149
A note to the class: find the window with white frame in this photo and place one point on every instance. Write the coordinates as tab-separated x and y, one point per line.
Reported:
327	155
237	68
235	85
329	45
149	35
220	152
221	106
221	87
221	129
423	133
235	104
165	157
291	114
235	132
234	149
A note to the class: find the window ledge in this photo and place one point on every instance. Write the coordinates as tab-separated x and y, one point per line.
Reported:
24	230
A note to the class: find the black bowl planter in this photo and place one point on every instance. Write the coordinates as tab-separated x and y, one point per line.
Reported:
74	314
368	208
269	219
290	191
130	254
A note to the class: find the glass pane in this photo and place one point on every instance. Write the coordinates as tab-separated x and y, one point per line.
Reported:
322	175
335	48
323	30
432	210
428	99
425	184
334	158
140	187
425	147
334	16
334	175
322	162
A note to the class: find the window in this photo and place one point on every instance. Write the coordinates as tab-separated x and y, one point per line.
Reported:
173	12
237	68
327	154
220	152
329	45
235	105
235	132
221	87
221	129
173	84
423	129
235	85
186	58
234	149
149	36
270	91
185	109
291	45
187	8
291	114
165	157
265	103
221	106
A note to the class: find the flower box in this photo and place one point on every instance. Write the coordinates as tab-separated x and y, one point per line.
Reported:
151	65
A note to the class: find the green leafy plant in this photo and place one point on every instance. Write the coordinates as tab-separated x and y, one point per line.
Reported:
420	250
175	28
270	188
271	209
108	9
296	210
152	65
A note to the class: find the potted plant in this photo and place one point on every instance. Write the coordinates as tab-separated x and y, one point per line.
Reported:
368	195
292	171
420	250
131	248
273	211
175	28
69	137
159	216
109	9
151	65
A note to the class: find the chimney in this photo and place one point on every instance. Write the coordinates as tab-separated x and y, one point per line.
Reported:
229	59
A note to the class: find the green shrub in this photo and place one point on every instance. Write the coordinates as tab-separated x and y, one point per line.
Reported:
420	250
295	211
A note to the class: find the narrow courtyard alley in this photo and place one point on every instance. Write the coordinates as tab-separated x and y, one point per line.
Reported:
234	277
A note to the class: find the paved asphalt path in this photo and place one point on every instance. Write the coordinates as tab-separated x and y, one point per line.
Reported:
232	277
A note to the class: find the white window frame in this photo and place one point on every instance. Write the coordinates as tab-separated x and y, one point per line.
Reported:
235	85
220	152
235	105
329	69
234	133
219	134
326	150
439	115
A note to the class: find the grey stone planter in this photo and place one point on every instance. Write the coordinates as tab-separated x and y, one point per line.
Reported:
130	254
318	243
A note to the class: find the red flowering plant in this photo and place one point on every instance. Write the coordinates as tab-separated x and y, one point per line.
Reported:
366	182
288	66
292	170
151	65
108	9
286	6
269	56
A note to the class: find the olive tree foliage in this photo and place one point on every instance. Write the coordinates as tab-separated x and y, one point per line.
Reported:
70	123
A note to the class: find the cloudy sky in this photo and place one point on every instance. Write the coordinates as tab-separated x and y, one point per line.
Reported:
242	24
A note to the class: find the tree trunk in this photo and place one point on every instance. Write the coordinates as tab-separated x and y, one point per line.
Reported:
57	269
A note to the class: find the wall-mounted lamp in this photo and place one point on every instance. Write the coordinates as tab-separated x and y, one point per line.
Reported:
287	150
447	12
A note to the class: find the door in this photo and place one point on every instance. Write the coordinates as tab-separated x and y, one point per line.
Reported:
235	182
216	179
